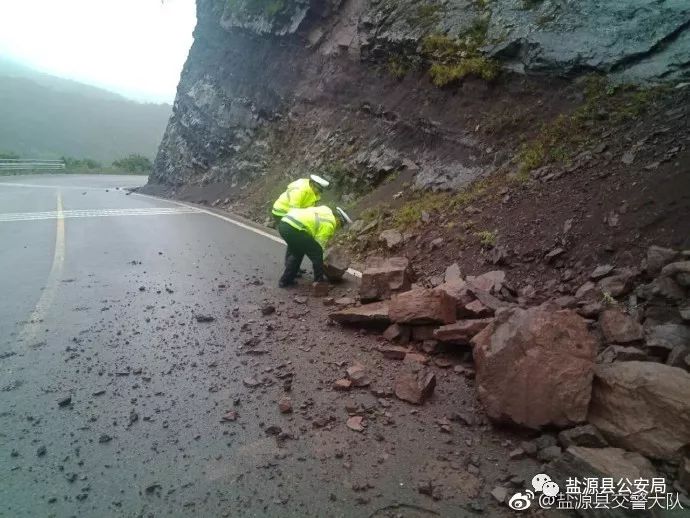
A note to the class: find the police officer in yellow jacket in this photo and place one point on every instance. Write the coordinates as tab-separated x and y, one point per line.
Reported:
300	194
306	232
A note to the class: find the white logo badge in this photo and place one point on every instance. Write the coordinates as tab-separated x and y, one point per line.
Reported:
541	483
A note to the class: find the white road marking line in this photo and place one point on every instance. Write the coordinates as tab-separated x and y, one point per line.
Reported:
30	331
94	213
60	187
350	271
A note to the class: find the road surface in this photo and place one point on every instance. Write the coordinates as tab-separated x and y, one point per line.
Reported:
112	392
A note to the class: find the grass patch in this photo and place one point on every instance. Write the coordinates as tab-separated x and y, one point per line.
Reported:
566	135
434	203
487	238
410	214
397	67
442	74
373	213
453	59
607	300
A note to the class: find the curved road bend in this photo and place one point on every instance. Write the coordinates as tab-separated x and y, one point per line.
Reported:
112	393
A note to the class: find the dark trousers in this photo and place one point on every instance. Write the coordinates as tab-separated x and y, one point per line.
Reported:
299	244
276	223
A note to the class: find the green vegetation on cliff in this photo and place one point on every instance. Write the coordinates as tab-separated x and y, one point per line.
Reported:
453	59
567	134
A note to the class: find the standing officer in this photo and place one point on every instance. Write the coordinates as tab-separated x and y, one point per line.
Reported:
300	194
306	232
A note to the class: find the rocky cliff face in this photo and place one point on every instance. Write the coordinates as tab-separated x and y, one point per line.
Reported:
362	89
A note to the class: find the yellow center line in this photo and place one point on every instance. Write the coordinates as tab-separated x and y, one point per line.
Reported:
33	326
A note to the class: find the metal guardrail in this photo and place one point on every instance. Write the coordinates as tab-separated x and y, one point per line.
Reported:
30	164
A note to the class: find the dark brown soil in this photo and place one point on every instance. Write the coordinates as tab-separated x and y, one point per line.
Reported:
613	210
605	211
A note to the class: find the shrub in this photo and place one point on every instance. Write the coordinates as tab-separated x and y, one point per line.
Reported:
134	163
81	164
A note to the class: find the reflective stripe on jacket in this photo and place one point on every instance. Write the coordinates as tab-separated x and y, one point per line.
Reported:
299	195
318	222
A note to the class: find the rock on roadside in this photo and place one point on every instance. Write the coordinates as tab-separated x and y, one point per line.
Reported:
619	328
610	462
336	262
415	388
376	314
383	277
642	406
535	367
462	331
422	306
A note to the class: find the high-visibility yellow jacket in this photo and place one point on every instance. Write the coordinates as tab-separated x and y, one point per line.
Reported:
299	195
318	222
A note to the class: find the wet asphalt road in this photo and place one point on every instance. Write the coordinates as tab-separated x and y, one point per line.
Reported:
74	322
112	392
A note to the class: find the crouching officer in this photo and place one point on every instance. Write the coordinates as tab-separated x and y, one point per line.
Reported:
306	232
300	194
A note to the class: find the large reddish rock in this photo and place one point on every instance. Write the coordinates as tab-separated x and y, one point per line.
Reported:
422	306
460	291
619	328
367	314
476	309
490	282
461	332
398	333
357	374
642	406
415	388
535	367
489	300
336	262
421	333
383	277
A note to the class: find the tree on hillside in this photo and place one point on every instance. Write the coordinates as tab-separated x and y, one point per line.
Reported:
8	155
134	163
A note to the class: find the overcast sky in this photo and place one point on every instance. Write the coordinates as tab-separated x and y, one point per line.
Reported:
134	47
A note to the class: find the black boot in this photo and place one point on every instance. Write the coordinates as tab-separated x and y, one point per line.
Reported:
292	263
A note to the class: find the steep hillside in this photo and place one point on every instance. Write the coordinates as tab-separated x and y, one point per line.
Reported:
49	117
391	99
383	81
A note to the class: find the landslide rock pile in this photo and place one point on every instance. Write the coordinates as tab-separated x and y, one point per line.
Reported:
608	365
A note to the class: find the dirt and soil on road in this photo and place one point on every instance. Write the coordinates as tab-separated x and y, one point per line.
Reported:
215	395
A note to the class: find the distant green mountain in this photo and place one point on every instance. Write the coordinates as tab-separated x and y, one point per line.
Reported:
43	116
